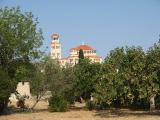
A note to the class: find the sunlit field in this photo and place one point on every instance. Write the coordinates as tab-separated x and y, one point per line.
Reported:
79	112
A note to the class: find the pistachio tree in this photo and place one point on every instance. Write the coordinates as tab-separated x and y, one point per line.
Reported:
121	75
151	83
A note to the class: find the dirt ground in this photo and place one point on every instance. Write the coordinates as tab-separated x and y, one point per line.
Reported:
80	113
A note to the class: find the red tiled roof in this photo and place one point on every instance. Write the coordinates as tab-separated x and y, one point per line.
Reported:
83	47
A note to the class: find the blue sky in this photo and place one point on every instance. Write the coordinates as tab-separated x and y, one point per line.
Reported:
103	24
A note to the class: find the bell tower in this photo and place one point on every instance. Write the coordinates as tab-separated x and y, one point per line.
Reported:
55	47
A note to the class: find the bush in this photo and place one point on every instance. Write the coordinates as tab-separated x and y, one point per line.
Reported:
69	96
58	104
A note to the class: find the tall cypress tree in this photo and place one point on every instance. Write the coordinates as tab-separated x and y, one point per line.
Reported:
81	55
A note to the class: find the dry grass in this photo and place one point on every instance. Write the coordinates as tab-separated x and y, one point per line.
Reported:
79	113
82	115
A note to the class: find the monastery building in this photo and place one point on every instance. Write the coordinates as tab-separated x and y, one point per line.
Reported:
72	59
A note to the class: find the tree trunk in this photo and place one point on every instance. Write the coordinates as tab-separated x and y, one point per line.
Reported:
3	105
35	104
152	102
38	98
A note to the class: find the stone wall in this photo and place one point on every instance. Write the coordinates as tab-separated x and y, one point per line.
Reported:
23	88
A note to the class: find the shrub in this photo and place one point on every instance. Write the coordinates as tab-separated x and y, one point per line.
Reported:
58	104
69	96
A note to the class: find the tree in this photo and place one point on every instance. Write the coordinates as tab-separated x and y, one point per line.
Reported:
38	83
134	74
122	74
60	78
60	83
53	75
42	79
5	85
49	76
86	74
81	55
110	85
69	79
151	83
19	43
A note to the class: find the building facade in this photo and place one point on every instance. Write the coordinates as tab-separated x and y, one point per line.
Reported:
72	59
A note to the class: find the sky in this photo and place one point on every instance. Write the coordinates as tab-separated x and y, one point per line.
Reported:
102	24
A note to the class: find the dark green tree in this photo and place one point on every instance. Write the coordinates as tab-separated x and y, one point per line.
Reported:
86	74
5	84
81	55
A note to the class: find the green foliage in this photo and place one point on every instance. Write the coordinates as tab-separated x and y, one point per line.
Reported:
110	85
60	79
129	78
152	79
86	74
122	79
57	104
19	43
5	85
60	82
49	76
38	82
19	35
